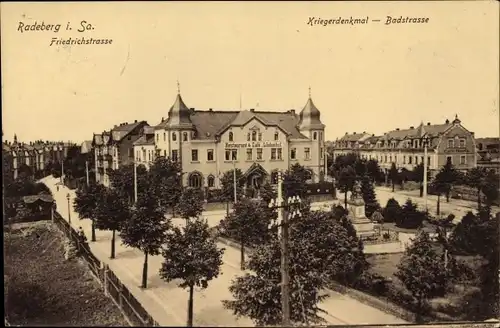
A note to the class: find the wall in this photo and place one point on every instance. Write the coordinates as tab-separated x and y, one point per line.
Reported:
456	133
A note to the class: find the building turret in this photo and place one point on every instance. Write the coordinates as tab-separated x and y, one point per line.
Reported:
310	117
179	115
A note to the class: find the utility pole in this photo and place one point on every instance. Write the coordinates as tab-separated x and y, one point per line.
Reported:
87	172
62	170
234	183
135	182
425	140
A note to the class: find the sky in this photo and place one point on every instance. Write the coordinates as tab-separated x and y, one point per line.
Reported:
368	77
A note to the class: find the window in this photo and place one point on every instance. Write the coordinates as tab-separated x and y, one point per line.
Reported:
194	155
463	160
260	136
410	159
259	154
273	153
254	135
230	136
395	158
321	136
276	136
164	153
315	135
385	159
390	158
416	159
462	143
157	137
174	136
195	180
323	154
280	154
429	161
210	155
309	174
449	159
274	177
231	154
249	154
185	136
175	156
211	181
248	137
451	143
293	153
307	153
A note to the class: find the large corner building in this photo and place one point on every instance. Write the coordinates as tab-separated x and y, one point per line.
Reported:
210	142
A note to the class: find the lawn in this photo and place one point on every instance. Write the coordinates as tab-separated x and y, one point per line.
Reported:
42	288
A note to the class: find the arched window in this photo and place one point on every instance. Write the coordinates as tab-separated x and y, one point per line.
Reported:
309	174
174	136
276	135
274	177
230	136
315	135
195	180
248	136
254	135
211	181
185	136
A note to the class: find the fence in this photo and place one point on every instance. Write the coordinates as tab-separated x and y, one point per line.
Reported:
126	302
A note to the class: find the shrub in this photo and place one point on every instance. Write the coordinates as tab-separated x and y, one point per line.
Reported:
392	210
386	236
411	217
372	283
215	196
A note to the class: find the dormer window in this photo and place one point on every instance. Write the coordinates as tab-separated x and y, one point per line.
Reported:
276	136
174	136
185	136
248	137
254	135
230	136
451	143
260	136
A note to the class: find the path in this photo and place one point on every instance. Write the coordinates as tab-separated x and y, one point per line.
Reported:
167	303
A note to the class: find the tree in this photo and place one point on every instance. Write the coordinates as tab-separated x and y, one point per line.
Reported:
166	178
294	181
392	211
373	170
347	178
227	186
440	189
267	193
394	175
25	171
368	191
122	180
446	178
411	217
248	224
86	202
146	229
190	203
421	272
110	214
485	182
191	255
257	295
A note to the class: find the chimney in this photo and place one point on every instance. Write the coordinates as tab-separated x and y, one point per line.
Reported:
252	110
346	133
447	121
354	133
428	123
397	129
116	126
135	121
364	132
292	111
412	127
192	108
373	134
210	110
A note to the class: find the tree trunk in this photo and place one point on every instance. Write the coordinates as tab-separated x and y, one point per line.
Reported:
113	245
190	307
242	255
145	271
438	208
419	318
345	200
421	190
227	208
478	199
448	196
392	182
93	231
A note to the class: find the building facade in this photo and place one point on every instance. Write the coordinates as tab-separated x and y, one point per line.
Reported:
488	153
37	155
210	142
405	148
144	148
115	148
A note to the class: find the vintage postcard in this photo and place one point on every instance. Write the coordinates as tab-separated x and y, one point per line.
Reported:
210	163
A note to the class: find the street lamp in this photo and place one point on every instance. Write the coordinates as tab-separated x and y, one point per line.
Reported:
287	210
69	212
425	141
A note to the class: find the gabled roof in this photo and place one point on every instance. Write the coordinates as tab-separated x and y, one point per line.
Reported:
121	131
355	137
147	139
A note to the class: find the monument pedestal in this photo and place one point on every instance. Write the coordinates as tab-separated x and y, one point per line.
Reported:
356	214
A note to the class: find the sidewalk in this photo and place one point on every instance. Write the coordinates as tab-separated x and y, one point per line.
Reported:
167	303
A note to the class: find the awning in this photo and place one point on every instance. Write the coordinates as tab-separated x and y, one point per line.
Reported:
35	198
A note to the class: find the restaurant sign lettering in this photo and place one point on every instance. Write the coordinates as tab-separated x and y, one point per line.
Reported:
254	144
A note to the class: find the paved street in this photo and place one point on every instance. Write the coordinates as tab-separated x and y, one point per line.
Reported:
167	303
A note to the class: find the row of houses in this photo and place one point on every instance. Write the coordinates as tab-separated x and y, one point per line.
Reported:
35	155
405	148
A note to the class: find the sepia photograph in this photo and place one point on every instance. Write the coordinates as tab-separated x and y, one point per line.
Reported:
251	164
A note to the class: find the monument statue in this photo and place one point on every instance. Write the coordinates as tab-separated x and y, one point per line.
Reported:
364	227
356	191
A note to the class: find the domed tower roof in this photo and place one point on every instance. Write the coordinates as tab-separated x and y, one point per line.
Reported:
456	120
179	115
310	116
